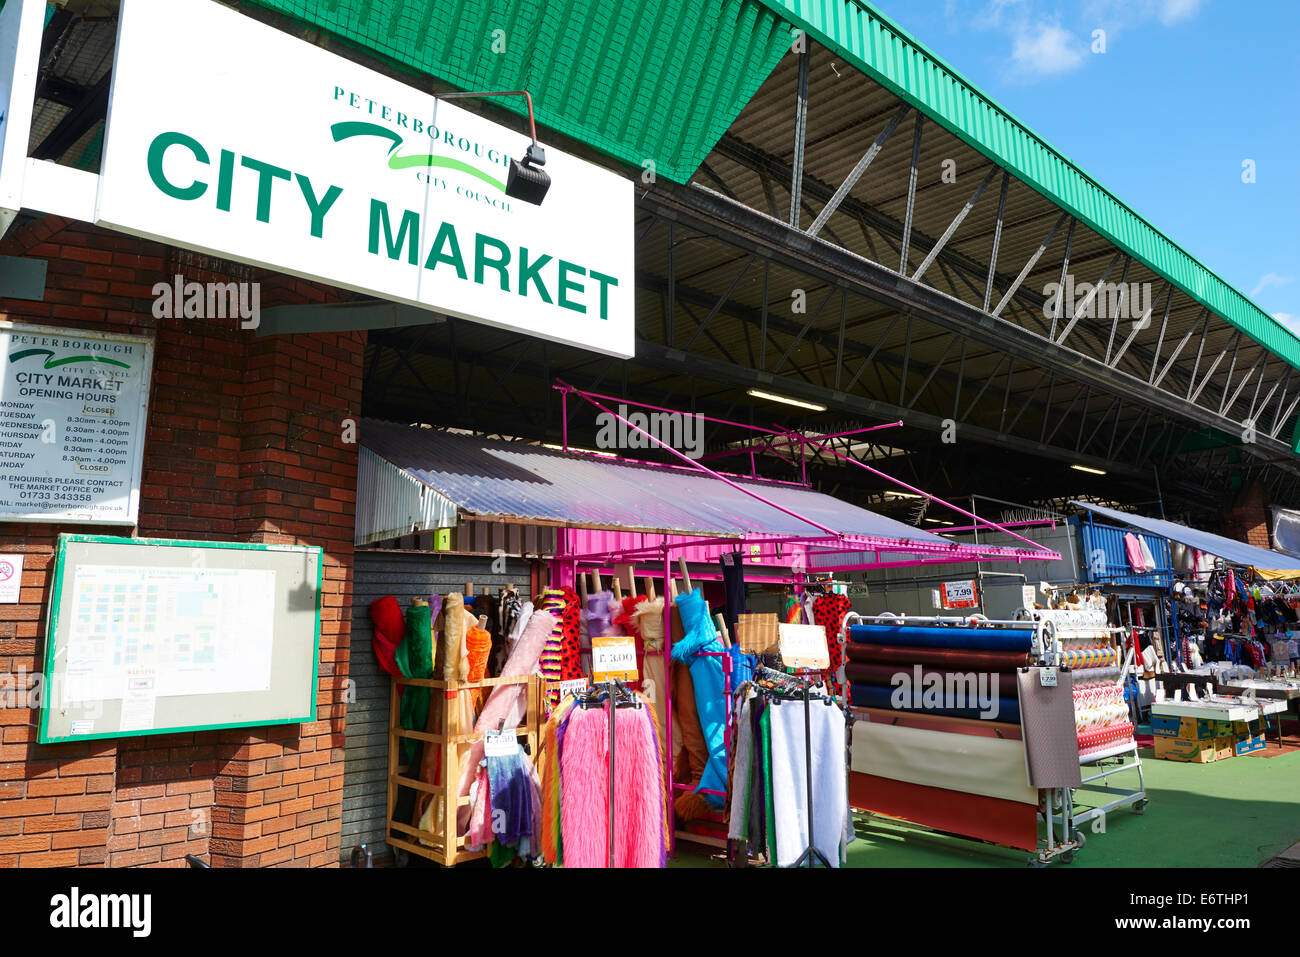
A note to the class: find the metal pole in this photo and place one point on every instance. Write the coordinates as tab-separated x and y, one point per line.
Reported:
609	685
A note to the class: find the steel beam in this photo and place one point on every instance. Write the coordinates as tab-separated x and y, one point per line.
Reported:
855	174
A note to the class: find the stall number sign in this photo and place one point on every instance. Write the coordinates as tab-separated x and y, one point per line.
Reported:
803	646
613	657
958	594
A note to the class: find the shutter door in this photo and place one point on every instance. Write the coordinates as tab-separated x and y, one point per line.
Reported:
365	756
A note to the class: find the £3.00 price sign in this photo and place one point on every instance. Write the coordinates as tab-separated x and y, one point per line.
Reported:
613	657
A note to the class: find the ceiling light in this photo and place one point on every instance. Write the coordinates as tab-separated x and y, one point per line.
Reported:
938	521
1090	471
757	394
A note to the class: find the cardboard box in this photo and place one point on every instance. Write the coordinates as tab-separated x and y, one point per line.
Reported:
1224	747
1189	729
1246	745
1192	750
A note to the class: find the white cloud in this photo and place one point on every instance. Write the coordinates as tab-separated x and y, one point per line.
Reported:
1046	50
1270	280
1175	11
1287	319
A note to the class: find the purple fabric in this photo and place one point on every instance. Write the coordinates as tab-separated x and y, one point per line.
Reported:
512	802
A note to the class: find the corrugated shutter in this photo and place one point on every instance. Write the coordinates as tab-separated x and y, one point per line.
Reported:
365	749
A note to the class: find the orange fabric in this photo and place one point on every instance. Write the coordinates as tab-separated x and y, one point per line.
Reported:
479	645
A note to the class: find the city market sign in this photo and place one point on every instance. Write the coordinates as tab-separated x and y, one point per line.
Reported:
229	137
73	406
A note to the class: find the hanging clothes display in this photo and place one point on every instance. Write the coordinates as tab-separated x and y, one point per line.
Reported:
829	611
575	813
769	789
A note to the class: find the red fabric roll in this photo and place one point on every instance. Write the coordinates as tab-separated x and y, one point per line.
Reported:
389	629
951	659
881	674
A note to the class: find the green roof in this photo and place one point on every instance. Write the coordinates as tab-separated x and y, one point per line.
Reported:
635	80
879	48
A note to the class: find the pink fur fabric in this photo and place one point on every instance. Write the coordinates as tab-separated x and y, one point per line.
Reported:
584	790
509	703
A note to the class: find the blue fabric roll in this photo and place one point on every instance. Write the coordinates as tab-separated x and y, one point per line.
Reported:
710	699
878	696
986	639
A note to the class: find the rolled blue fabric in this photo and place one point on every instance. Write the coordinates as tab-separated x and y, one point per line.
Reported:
986	639
710	700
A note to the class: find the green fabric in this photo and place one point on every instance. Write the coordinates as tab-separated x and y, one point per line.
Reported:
765	729
642	82
501	855
414	657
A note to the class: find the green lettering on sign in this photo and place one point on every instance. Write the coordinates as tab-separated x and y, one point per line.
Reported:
158	148
446	237
408	233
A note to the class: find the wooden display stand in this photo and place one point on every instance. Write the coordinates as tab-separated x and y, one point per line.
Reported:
444	846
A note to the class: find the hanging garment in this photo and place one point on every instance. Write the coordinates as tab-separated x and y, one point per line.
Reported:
707	676
829	612
1133	551
584	791
570	639
511	785
552	656
791	610
1148	559
829	783
742	769
733	587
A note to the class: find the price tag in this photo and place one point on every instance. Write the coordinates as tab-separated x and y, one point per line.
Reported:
958	594
576	686
1047	677
613	656
1027	595
500	744
803	646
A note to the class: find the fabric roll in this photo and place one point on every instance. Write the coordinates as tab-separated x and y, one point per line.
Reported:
453	636
707	676
982	639
879	674
1047	720
387	630
507	704
743	755
414	658
951	659
878	696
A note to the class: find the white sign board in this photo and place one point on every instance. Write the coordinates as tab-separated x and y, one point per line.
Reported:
21	23
230	137
11	578
803	646
73	407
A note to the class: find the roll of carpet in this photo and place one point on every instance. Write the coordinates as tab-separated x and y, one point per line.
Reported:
981	639
880	674
876	696
944	658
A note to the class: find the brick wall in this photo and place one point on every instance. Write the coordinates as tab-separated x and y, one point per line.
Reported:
1248	519
243	443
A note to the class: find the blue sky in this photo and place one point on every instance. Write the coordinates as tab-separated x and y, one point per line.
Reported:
1185	92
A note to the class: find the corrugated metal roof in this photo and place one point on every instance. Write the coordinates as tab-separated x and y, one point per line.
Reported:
639	81
1229	549
509	481
878	47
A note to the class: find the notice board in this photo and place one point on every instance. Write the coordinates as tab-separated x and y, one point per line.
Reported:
148	636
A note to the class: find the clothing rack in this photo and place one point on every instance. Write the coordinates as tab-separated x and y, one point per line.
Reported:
618	695
785	687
